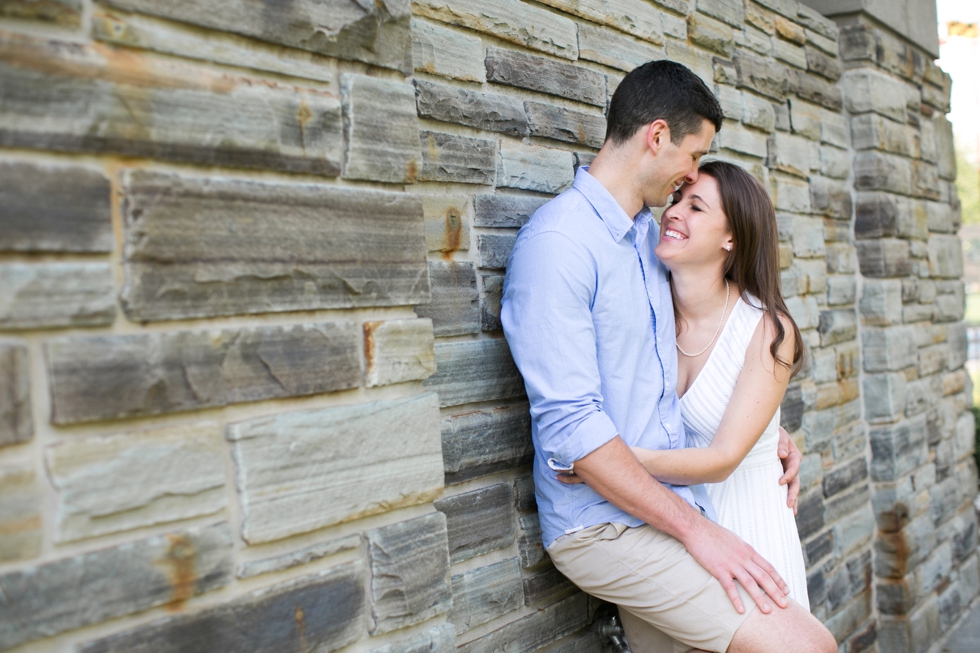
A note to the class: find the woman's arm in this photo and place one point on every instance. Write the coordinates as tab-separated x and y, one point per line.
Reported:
757	394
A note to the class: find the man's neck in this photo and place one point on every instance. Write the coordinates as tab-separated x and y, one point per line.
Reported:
612	169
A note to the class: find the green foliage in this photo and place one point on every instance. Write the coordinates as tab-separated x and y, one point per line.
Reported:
968	186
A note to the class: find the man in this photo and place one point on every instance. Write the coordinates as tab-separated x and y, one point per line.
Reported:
587	313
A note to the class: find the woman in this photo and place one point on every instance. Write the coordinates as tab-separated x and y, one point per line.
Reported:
737	349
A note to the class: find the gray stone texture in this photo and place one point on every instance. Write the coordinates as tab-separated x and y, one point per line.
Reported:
493	290
382	130
544	585
710	34
51	295
448	53
479	521
535	630
396	351
529	71
123	482
529	543
486	441
438	639
485	593
886	257
375	34
505	210
488	111
169	110
561	124
447	223
298	557
351	461
410	579
457	159
495	249
169	569
611	48
508	20
54	209
113	376
454	308
634	17
326	609
764	77
16	420
475	370
534	168
197	247
21	527
869	90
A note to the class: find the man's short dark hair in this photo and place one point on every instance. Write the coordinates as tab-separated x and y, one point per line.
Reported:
661	90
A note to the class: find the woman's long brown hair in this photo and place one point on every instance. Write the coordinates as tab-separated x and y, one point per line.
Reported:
753	263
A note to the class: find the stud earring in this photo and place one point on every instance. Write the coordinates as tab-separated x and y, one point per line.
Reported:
728	248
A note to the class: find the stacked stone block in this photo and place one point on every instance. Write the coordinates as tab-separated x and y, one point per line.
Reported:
254	393
915	390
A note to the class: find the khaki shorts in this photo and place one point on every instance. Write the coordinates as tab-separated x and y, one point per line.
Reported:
668	602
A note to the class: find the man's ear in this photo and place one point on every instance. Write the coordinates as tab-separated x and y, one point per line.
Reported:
657	135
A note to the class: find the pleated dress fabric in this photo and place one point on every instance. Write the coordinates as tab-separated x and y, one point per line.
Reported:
750	502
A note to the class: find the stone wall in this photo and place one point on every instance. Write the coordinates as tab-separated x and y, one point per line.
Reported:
254	395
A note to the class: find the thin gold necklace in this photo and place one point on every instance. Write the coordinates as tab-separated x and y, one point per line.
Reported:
721	321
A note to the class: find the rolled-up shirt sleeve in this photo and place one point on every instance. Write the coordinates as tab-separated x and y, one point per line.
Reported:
546	312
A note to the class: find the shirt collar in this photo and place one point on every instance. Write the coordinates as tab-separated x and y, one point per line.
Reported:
609	210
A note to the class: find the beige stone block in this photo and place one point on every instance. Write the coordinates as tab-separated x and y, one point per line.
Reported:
21	526
396	351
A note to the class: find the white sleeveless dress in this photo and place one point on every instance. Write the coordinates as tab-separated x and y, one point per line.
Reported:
750	502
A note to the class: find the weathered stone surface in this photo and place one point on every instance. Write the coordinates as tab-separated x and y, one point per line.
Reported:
160	35
789	153
821	64
946	149
529	543
945	256
299	557
396	351
375	34
545	584
535	73
162	570
561	124
93	103
459	159
635	17
758	113
834	162
534	168
610	48
447	222
890	349
475	370
62	12
805	118
410	581
122	482
454	308
871	131
495	249
524	493
327	608
493	291
730	11
535	630
488	111
16	421
710	34
789	53
54	209
56	295
382	130
817	90
925	180
837	326
845	477
897	450
447	53
286	461
790	194
482	442
884	396
830	198
881	302
878	171
505	210
114	376
869	90
21	527
764	77
479	521
885	257
508	20
438	639
733	136
486	593
198	247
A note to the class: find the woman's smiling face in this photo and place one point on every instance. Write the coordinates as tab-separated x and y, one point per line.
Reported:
694	228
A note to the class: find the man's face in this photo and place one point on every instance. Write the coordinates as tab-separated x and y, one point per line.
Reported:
678	164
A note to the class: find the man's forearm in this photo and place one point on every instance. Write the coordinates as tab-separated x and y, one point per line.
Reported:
616	475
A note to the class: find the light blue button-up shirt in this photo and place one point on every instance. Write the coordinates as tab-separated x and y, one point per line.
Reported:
588	316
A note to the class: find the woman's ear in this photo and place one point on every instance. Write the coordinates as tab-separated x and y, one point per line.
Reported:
728	244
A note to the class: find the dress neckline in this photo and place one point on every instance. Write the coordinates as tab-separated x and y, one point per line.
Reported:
711	354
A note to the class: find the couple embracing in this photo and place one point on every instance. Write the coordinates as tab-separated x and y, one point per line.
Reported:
655	363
